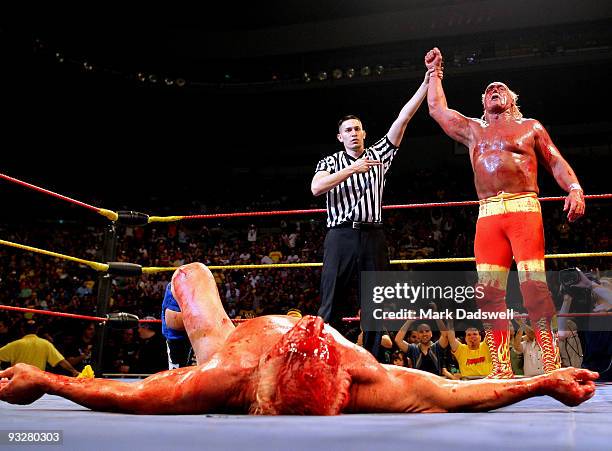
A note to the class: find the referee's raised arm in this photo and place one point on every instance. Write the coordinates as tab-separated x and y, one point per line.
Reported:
396	132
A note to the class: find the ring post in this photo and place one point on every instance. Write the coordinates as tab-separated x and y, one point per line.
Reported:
109	253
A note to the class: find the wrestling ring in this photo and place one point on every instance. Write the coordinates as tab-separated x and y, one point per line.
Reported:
536	423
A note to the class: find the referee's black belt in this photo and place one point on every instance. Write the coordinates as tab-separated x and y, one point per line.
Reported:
359	225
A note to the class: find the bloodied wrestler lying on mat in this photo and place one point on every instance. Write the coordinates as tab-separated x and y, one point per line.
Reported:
274	365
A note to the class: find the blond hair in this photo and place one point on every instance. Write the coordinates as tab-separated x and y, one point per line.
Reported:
515	111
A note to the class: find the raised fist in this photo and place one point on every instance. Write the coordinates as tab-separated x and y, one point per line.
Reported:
433	59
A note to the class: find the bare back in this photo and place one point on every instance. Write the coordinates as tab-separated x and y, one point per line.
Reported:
307	367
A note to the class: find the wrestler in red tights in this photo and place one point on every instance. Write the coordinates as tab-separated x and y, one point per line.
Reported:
504	150
281	365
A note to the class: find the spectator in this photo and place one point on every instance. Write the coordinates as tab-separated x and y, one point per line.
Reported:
448	364
473	357
528	346
386	349
5	332
124	353
33	350
276	256
78	353
84	290
399	359
252	234
425	355
516	358
151	356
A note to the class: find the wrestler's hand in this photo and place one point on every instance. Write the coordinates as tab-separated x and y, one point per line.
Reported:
433	59
22	384
364	165
574	202
571	386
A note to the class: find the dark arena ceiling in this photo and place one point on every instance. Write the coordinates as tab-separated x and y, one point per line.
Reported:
123	90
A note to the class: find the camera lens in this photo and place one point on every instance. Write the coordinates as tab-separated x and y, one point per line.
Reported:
569	277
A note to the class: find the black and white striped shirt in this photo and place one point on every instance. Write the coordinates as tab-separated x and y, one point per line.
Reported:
359	197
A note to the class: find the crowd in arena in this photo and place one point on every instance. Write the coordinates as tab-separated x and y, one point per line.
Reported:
41	282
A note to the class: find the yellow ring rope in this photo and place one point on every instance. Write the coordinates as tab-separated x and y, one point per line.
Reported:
156	269
164	218
580	255
109	214
94	265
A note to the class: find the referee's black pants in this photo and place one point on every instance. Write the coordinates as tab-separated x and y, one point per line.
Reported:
347	252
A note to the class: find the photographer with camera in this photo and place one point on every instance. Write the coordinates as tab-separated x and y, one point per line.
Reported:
596	296
573	280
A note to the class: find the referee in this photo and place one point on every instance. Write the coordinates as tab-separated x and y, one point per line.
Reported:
353	180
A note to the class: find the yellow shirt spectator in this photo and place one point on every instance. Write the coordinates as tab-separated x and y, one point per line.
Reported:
276	256
473	362
32	350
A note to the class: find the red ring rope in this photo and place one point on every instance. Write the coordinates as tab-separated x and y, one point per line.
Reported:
385	207
50	313
50	193
285	212
97	319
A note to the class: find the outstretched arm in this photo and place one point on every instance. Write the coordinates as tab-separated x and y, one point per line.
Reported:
187	390
454	124
563	173
396	132
395	389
